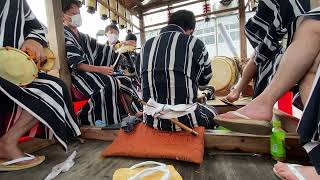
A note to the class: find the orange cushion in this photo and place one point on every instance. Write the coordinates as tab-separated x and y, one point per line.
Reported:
146	142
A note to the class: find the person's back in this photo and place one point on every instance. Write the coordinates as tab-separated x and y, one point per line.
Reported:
173	65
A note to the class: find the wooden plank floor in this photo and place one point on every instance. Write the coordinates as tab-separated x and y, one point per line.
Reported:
90	165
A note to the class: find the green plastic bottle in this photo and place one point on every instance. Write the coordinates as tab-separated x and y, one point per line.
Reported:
277	142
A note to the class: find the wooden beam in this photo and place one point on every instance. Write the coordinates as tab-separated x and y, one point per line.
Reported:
142	29
88	132
159	3
173	7
56	39
197	16
216	139
102	2
249	143
243	39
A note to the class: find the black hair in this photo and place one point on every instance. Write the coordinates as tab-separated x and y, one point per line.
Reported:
112	26
66	4
183	18
131	36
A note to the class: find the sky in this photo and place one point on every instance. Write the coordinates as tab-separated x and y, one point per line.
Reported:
91	23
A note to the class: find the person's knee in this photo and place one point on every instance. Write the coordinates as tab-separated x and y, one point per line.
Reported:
310	27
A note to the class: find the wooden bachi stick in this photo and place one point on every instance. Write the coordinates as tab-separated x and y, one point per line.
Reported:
175	121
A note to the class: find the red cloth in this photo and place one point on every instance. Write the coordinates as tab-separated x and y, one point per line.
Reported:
285	103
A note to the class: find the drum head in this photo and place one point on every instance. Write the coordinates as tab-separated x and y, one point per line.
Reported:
224	72
50	60
16	66
124	49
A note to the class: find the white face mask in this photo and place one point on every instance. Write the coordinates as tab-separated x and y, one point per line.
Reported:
113	38
76	20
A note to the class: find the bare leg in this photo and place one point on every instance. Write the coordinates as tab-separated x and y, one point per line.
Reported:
128	100
9	142
248	73
306	83
295	63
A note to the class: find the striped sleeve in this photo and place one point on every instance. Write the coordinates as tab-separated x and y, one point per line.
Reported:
205	65
74	57
33	29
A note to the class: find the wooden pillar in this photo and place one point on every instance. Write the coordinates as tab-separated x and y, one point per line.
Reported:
243	39
56	39
142	30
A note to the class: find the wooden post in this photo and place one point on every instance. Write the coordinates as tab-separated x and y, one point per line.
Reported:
56	39
142	30
243	40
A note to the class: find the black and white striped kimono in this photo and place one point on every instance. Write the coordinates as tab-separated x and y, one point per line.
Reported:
172	67
46	98
309	126
264	31
102	90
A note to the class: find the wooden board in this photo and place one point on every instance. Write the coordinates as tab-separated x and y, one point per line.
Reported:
96	133
89	165
35	144
215	139
223	108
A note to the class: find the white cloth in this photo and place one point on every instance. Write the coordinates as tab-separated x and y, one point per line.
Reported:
62	167
165	111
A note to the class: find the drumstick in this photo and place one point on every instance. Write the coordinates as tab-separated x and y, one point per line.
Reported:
174	121
115	63
228	103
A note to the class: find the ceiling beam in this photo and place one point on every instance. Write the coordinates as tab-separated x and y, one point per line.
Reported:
197	16
158	4
173	7
102	2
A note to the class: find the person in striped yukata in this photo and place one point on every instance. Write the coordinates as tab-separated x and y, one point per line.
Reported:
173	65
92	74
299	64
264	31
45	100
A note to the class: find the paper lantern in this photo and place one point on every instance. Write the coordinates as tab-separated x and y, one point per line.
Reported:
113	17
122	11
91	6
103	11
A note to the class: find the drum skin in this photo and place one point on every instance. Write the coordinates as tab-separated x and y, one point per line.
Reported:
225	74
17	67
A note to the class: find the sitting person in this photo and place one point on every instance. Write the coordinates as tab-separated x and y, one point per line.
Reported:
112	33
264	38
45	100
299	64
92	73
173	65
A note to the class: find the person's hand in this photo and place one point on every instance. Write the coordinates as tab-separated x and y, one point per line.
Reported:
34	49
106	70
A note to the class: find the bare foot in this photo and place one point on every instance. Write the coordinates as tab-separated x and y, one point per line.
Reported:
254	110
233	96
308	172
9	150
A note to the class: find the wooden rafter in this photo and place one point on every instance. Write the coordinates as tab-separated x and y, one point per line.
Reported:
173	7
197	16
158	4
